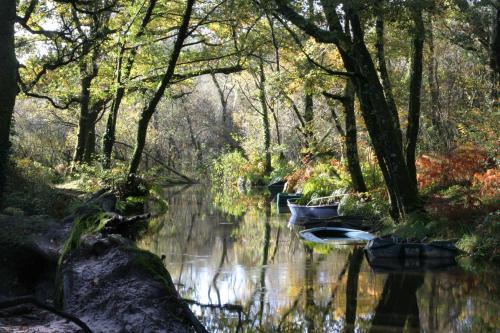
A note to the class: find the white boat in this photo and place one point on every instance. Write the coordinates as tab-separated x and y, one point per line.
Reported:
327	235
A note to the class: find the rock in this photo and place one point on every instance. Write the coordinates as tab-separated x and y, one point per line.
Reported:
114	287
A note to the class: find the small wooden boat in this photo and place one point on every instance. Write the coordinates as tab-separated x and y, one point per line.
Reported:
314	208
335	235
283	197
393	247
276	187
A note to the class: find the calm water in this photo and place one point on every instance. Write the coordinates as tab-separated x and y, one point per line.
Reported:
245	270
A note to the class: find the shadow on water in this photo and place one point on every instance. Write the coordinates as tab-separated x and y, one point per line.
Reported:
243	270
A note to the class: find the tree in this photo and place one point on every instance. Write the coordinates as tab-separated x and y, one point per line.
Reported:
8	83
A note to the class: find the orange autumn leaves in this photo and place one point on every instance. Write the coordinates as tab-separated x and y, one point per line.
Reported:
467	166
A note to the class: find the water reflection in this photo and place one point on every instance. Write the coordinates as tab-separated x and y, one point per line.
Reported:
244	270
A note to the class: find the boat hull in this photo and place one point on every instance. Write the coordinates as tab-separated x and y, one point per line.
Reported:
276	188
387	248
283	197
327	235
321	212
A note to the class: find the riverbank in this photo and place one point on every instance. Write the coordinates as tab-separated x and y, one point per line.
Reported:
81	266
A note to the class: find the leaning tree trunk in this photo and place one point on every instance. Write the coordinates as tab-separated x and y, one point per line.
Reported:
415	92
148	111
8	82
109	137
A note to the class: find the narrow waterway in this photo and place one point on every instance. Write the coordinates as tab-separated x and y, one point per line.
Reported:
244	270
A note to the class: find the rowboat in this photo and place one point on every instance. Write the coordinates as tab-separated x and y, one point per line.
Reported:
394	247
335	235
314	208
276	187
283	197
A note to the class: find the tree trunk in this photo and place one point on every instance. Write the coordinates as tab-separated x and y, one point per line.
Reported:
265	120
90	144
351	139
436	115
415	92
109	137
223	101
381	127
83	121
148	111
8	82
308	118
495	55
382	67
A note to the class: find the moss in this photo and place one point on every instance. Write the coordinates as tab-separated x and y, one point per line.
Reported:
82	225
151	264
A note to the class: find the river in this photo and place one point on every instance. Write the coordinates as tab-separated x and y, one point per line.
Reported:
243	269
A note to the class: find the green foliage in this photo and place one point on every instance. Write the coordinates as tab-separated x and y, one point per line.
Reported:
231	169
372	175
93	177
324	179
368	205
484	242
281	168
228	168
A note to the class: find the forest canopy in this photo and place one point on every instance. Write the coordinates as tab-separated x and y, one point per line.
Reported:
375	87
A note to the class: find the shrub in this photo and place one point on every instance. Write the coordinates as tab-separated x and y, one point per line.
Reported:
488	183
367	205
484	242
229	167
456	167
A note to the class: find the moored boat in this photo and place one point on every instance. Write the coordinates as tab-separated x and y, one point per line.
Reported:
276	187
335	235
312	210
283	197
393	247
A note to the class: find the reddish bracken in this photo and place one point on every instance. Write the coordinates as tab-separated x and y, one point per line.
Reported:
457	167
488	182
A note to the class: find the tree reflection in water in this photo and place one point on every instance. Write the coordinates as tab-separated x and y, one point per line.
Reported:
398	307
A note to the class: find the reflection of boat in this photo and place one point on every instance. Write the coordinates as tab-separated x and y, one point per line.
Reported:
335	234
393	247
276	187
313	209
283	197
411	264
